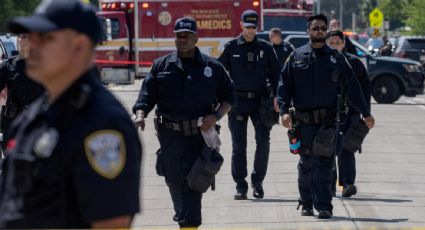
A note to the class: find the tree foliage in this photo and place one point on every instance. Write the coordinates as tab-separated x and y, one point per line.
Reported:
12	8
393	10
416	19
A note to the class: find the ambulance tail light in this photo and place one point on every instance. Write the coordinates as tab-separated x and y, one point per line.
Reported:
255	3
145	5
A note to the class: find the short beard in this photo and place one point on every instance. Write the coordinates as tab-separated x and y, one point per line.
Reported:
318	40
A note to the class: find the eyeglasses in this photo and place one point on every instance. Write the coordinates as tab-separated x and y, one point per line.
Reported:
322	28
250	27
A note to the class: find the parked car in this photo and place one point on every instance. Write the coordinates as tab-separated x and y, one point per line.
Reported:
391	77
10	44
374	44
412	47
3	52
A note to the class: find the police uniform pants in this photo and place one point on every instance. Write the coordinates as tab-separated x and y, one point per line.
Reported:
346	164
314	173
238	123
179	154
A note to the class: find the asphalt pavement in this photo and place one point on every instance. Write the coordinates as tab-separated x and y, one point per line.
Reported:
390	179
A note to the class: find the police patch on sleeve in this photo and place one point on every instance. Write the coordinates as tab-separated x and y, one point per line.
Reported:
106	153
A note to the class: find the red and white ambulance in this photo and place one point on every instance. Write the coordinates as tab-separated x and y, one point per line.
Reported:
140	31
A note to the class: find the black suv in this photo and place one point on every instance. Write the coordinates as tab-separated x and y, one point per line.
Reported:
390	77
412	47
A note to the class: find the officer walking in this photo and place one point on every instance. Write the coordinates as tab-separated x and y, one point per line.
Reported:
252	65
349	47
315	80
73	159
346	159
21	90
283	49
184	85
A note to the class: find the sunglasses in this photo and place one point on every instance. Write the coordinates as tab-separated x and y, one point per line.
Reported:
250	27
322	28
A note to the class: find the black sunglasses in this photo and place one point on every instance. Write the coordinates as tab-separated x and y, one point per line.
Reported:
322	28
250	27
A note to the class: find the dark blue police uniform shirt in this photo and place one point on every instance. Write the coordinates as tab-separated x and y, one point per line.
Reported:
83	156
185	92
251	65
283	50
310	79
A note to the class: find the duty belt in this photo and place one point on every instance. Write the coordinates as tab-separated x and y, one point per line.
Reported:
249	94
188	128
317	117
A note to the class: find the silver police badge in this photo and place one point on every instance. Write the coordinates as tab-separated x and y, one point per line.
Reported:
208	72
261	53
45	144
333	60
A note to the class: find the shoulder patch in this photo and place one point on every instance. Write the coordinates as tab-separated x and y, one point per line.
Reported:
106	152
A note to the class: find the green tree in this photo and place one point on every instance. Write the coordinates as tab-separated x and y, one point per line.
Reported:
12	8
395	11
416	19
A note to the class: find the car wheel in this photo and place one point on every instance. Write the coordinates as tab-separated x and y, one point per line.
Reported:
385	90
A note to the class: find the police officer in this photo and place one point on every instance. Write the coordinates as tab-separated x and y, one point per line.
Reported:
252	64
346	159
313	79
349	47
73	159
184	85
282	48
21	90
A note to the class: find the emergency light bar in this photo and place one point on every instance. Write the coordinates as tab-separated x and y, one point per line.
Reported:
120	6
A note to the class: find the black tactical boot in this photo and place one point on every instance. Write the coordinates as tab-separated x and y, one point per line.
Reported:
240	196
307	209
325	214
349	190
258	191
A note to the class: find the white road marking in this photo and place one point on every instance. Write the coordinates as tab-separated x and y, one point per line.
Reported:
414	103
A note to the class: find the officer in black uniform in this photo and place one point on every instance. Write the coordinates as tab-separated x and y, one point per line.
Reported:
252	65
21	90
184	85
346	159
349	47
283	49
312	80
73	159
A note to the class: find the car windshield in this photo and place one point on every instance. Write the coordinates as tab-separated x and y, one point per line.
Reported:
417	43
375	43
360	47
9	48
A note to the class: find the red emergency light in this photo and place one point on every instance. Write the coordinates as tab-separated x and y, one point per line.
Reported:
256	3
145	5
117	6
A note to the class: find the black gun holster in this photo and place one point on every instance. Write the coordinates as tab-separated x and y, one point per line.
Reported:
324	141
355	134
268	115
202	174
